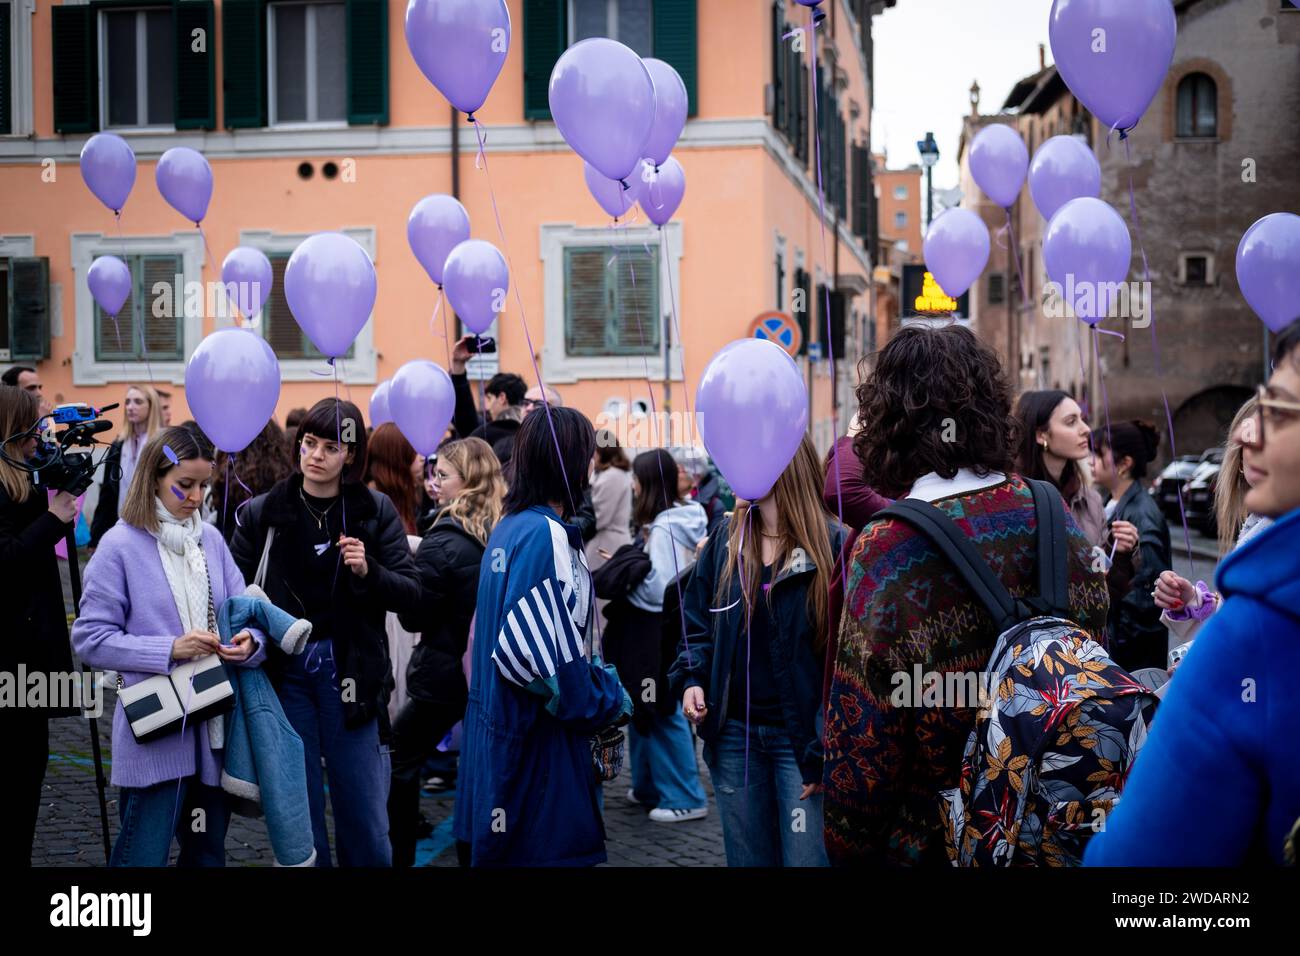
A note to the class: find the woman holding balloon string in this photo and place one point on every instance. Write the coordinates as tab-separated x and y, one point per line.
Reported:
142	419
336	553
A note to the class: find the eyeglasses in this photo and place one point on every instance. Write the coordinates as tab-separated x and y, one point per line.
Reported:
532	402
1273	414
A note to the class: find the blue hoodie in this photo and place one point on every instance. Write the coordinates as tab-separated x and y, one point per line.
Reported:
526	794
1218	782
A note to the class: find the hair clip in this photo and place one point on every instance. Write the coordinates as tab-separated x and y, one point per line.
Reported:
171	455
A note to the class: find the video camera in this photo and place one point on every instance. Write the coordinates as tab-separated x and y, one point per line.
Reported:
54	465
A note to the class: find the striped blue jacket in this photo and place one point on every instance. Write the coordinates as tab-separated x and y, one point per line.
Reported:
526	793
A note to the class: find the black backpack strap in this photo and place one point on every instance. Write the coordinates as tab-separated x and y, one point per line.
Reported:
957	548
1053	549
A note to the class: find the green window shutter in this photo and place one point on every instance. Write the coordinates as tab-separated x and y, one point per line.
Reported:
545	36
367	62
138	334
243	62
803	283
586	302
778	70
196	88
6	70
675	41
76	68
116	339
29	309
635	322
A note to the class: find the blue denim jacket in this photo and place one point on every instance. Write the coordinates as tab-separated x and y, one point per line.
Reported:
264	765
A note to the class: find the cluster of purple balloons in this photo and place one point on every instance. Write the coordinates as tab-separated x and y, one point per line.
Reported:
472	272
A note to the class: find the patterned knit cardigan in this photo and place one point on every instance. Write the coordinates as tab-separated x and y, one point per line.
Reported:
909	614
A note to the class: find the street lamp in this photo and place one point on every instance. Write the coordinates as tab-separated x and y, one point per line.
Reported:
929	156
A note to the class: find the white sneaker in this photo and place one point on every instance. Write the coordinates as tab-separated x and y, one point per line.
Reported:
661	815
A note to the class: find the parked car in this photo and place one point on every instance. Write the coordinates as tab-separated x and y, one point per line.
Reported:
1175	476
1198	494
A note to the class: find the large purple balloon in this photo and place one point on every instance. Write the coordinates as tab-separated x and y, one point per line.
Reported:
1268	269
185	181
460	45
753	411
330	287
422	400
671	106
1064	168
957	250
379	410
1087	251
246	274
437	225
232	383
110	283
603	102
108	167
613	197
1113	54
663	193
476	280
998	163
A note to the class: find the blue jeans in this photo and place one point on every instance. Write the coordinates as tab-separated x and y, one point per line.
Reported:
149	816
357	762
764	823
664	774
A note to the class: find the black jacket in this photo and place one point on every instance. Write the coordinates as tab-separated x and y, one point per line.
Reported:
706	654
35	632
470	423
447	562
106	511
1138	638
360	604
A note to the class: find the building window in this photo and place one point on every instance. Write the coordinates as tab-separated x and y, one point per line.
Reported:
149	325
611	301
629	22
307	44
997	289
287	339
1197	269
780	281
137	57
900	220
1198	106
900	192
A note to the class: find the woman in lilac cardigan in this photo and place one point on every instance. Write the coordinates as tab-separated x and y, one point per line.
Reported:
144	611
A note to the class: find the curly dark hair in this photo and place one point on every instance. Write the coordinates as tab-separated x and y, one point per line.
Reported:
259	466
937	400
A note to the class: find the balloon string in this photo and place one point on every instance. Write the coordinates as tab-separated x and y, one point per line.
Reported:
247	500
1155	348
225	493
1083	375
343	506
207	250
1014	251
1118	335
433	326
830	338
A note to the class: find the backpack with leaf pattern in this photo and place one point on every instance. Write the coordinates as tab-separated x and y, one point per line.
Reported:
1059	723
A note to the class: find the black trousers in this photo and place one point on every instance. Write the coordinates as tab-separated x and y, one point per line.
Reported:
417	731
24	752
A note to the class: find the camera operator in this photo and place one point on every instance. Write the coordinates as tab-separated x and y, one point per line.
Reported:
35	632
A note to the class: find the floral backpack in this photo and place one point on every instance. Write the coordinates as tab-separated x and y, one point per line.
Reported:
1059	723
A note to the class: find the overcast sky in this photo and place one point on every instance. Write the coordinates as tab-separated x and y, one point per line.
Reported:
927	54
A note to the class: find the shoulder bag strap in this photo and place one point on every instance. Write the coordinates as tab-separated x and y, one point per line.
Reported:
260	577
1053	544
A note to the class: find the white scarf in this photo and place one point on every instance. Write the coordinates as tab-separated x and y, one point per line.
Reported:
180	547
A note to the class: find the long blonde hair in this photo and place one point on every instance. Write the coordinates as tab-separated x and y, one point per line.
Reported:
478	506
153	423
19	410
802	530
1231	487
138	509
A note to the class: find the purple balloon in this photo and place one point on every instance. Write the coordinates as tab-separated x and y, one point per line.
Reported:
615	198
603	102
246	273
663	193
232	383
752	406
1113	54
329	284
437	225
957	250
108	167
422	399
379	413
671	106
1064	168
1268	269
476	280
998	163
110	283
1087	251
185	181
460	45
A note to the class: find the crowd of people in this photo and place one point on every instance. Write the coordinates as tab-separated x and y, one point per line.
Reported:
556	597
